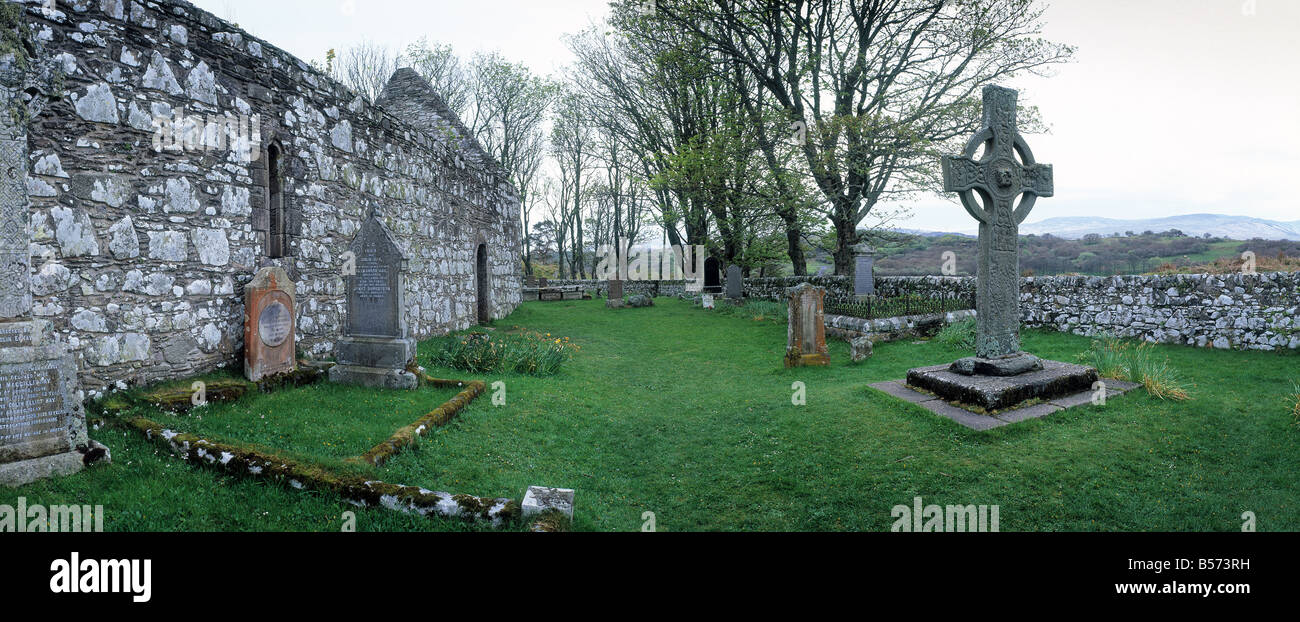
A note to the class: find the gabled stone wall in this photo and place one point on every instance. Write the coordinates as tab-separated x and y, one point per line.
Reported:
140	256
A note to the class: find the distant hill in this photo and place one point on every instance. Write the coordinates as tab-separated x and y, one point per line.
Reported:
1217	225
931	234
914	255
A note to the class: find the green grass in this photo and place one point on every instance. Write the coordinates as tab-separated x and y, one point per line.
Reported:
1226	248
959	336
687	414
324	422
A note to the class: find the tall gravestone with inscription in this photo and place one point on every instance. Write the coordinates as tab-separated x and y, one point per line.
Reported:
614	294
270	310
1000	375
42	423
806	331
864	261
375	349
735	283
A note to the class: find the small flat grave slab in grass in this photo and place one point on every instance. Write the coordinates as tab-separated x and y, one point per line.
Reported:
997	419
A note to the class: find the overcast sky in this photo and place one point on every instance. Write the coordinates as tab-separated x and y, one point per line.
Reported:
1170	107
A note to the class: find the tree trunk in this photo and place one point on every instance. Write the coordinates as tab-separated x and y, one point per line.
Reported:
846	235
792	241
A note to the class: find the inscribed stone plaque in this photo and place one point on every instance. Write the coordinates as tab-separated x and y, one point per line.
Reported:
374	308
274	324
33	415
735	286
15	334
270	305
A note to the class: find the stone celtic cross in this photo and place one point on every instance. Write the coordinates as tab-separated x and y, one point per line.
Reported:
999	178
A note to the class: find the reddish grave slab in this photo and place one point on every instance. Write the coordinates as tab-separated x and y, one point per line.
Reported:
269	321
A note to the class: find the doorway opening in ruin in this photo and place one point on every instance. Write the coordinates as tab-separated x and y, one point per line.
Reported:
481	278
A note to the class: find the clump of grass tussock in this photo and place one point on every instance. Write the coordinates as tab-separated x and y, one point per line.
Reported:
763	310
527	353
753	309
1294	399
1121	360
958	335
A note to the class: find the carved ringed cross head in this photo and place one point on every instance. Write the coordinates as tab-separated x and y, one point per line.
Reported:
998	176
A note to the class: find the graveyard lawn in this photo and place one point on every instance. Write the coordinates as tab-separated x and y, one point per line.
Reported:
687	413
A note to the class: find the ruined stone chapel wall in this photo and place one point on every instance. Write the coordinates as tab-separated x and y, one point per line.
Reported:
140	256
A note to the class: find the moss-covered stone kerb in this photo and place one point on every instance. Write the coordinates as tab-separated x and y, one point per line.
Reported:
438	417
357	490
892	328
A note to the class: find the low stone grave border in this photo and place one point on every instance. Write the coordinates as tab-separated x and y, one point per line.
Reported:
354	489
179	399
357	490
892	328
438	417
987	421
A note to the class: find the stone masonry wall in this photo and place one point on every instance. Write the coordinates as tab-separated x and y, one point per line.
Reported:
140	256
772	288
1257	312
650	288
1237	311
1233	311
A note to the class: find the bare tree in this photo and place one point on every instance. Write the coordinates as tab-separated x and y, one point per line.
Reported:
366	67
573	146
879	87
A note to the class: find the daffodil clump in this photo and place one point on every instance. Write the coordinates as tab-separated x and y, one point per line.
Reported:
535	354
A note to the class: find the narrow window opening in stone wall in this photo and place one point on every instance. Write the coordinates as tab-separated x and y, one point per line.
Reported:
276	238
481	284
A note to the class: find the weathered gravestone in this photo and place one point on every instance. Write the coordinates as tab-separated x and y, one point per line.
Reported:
614	294
375	349
806	332
864	281
270	313
706	301
1000	375
42	423
712	276
735	283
